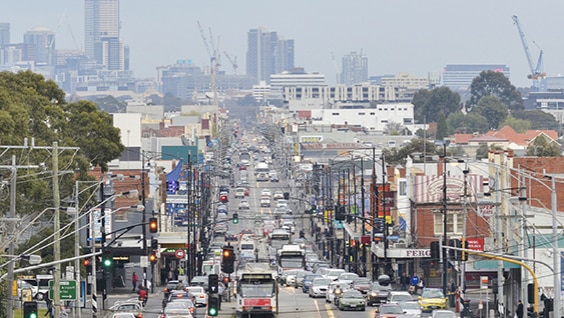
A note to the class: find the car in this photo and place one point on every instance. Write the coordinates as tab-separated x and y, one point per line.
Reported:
300	278
130	306
222	208
318	265
319	287
200	281
278	195
200	296
330	294
391	310
333	273
240	193
231	237
244	205
274	178
123	315
308	279
265	202
220	229
443	314
266	193
352	299
431	299
362	284
224	188
282	203
174	295
170	286
281	210
182	303
176	312
398	296
411	308
378	294
288	277
347	278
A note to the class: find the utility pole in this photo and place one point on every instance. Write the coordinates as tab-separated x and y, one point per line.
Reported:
144	218
56	229
464	217
386	265
445	212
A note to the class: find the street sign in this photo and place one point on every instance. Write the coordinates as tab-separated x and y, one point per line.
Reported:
483	282
179	254
67	289
144	261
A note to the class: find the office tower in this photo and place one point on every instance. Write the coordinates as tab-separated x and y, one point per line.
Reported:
101	33
39	44
460	76
4	33
355	69
268	54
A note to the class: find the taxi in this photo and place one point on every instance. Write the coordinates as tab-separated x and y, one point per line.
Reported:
431	299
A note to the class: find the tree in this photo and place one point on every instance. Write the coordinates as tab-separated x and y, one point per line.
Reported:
429	104
538	119
467	124
493	110
420	146
110	104
393	129
519	125
541	148
482	151
442	128
491	83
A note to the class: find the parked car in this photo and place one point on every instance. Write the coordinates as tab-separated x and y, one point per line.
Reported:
319	287
352	299
431	299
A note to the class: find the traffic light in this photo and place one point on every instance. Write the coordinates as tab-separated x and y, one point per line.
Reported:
153	226
153	257
213	305
154	244
223	198
464	254
313	209
435	250
30	309
226	280
107	260
454	254
228	260
87	265
340	213
213	283
235	218
286	195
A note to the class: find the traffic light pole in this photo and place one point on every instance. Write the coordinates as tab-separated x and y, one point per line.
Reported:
103	240
94	300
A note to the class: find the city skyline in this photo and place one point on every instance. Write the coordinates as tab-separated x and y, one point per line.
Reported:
417	38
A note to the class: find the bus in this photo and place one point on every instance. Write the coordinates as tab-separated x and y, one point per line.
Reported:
257	293
278	238
290	258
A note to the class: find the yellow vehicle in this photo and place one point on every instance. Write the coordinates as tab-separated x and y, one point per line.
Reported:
431	299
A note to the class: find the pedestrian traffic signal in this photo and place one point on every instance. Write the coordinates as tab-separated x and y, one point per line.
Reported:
153	257
213	305
213	283
153	226
235	218
228	260
435	250
30	309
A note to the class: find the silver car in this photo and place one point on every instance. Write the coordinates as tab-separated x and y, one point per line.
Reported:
319	287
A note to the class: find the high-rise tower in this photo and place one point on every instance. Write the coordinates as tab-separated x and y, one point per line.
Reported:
268	54
101	33
4	33
355	69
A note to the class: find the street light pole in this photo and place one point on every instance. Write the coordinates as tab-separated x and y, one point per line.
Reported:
144	217
445	212
556	258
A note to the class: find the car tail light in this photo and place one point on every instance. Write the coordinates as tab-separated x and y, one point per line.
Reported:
166	290
202	295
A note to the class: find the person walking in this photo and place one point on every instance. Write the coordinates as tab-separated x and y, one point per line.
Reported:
220	290
134	280
404	280
520	309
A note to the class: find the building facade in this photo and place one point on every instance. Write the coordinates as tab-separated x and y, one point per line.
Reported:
39	43
267	54
460	76
4	33
102	33
355	69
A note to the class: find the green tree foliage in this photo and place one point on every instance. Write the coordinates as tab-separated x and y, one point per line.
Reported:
429	104
467	123
110	104
493	110
171	102
394	129
419	146
542	148
519	125
442	128
482	151
491	83
538	119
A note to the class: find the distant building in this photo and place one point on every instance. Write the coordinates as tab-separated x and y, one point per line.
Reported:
355	69
4	33
102	34
267	54
460	76
296	77
40	45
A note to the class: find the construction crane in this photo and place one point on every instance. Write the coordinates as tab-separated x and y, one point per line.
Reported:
336	68
214	60
235	66
536	72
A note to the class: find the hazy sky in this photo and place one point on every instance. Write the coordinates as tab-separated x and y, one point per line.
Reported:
414	36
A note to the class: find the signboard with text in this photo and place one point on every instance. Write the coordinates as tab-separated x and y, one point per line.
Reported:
67	289
476	244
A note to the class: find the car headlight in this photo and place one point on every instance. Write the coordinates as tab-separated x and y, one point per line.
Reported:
373	294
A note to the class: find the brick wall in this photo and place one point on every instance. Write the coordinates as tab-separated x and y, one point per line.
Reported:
538	191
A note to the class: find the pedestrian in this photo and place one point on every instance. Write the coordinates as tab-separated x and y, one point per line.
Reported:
134	280
404	281
50	308
520	309
413	282
219	295
170	275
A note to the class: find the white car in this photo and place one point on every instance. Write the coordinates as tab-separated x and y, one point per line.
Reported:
411	308
200	295
333	273
319	287
265	193
244	205
240	193
264	202
347	278
278	195
282	204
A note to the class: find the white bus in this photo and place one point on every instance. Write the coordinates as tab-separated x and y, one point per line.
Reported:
257	293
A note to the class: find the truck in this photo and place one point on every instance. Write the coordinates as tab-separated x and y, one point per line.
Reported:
257	291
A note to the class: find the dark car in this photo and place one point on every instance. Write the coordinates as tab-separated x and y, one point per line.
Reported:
377	294
170	286
231	237
176	294
362	284
308	279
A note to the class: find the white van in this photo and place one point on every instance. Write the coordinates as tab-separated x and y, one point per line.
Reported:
246	246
